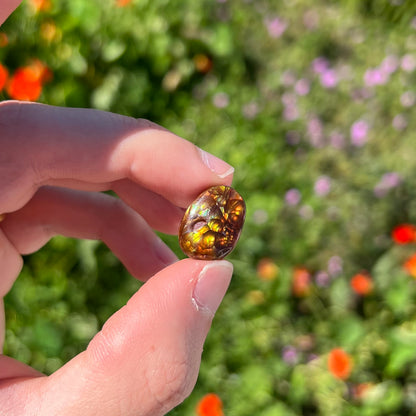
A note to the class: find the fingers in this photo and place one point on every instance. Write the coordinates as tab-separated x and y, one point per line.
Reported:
89	149
88	215
11	368
146	358
158	212
11	263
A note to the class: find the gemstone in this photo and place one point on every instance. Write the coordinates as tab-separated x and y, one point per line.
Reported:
212	224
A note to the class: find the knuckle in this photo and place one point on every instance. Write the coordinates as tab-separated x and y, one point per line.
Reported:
102	350
17	177
172	385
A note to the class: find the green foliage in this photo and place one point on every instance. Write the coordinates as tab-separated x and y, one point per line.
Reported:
282	90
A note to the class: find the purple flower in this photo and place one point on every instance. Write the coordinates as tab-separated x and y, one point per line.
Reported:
312	357
290	355
375	76
288	98
391	179
359	131
335	266
399	122
250	110
302	87
408	99
293	197
221	100
337	140
315	132
291	112
390	64
320	64
361	94
408	63
311	19
322	278
288	78
379	192
276	27
322	185
329	78
388	181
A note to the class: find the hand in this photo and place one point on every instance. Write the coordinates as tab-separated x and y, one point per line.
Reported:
54	161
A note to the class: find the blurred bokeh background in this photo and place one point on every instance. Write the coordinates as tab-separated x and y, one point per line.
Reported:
313	103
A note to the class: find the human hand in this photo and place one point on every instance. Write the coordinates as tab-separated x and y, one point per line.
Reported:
54	162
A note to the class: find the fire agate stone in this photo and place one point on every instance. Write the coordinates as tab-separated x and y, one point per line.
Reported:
212	224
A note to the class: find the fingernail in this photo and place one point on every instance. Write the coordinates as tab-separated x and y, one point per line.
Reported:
218	166
211	285
164	253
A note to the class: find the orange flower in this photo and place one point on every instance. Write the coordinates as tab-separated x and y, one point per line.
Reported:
362	284
122	3
404	234
40	5
267	269
410	265
301	284
340	363
41	70
3	76
359	391
202	63
210	405
26	83
4	40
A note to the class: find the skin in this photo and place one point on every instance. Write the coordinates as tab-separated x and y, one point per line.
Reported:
53	164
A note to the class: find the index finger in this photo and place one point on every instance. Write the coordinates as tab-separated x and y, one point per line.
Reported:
90	149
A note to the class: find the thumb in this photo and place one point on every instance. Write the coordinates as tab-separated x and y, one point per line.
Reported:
146	358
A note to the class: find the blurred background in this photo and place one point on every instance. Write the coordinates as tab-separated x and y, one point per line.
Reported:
313	103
